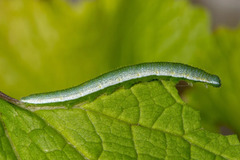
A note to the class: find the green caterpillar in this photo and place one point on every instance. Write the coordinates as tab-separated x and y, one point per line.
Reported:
124	76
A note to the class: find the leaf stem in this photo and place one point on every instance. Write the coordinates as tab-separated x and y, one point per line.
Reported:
9	99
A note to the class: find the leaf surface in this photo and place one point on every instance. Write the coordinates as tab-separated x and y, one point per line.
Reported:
146	121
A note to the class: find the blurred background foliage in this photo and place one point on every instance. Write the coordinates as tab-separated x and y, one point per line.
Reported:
48	45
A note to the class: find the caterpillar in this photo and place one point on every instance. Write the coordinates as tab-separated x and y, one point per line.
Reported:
124	76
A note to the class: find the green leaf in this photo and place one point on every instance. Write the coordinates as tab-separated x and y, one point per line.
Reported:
221	106
146	121
71	44
6	151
